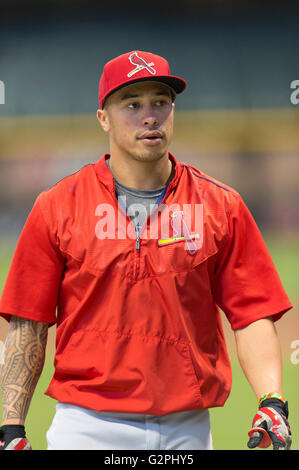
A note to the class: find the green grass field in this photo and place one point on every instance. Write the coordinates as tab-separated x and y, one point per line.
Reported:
230	423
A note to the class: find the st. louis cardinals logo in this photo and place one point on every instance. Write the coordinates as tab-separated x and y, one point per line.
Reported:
140	65
181	233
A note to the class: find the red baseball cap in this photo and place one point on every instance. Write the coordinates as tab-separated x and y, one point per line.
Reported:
136	66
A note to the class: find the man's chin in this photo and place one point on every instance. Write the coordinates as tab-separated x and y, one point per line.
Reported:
151	154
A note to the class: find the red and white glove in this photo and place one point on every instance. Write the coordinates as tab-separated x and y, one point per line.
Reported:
13	437
270	424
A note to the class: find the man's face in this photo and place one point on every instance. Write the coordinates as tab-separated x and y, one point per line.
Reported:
139	119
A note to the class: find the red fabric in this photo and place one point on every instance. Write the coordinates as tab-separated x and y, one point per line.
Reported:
140	330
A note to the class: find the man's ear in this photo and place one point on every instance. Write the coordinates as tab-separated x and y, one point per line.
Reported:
103	119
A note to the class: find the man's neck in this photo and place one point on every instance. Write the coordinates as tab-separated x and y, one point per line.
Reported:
142	175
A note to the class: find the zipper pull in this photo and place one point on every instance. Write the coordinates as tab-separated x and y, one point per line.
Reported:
138	229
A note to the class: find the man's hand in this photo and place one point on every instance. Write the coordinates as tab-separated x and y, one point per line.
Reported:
270	425
13	437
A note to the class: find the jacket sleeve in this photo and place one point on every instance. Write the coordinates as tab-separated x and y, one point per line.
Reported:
247	286
32	284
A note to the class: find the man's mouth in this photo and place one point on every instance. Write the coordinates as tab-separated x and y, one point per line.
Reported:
151	137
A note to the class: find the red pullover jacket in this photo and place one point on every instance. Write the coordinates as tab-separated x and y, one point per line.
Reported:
138	317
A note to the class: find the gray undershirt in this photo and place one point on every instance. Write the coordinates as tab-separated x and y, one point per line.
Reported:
139	203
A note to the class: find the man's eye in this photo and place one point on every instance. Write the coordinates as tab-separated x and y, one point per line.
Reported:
133	105
161	103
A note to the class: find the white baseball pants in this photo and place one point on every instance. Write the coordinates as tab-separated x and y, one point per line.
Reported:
76	428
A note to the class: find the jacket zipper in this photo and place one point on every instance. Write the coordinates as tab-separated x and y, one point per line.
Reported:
137	242
137	253
138	230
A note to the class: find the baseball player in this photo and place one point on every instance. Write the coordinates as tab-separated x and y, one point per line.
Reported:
132	258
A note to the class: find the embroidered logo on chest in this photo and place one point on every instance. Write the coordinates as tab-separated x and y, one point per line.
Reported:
181	232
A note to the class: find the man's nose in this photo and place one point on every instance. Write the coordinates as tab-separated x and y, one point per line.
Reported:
150	119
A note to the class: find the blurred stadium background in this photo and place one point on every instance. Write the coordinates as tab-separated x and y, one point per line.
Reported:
235	122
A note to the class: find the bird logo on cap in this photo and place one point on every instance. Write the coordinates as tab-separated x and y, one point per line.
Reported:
140	65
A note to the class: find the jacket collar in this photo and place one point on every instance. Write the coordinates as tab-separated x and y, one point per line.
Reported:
105	176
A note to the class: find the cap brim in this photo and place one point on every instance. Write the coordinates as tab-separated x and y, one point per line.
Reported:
178	85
